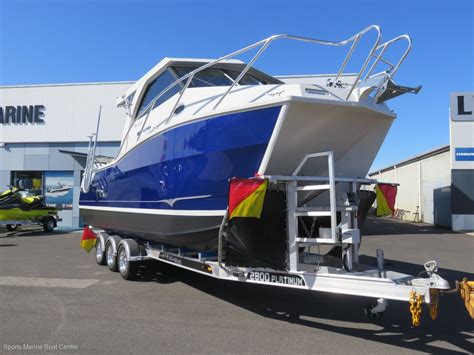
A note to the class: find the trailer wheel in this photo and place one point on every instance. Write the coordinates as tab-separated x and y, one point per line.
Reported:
100	252
12	227
111	258
127	269
49	224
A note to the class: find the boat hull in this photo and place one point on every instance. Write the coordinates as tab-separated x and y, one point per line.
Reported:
191	231
354	133
173	187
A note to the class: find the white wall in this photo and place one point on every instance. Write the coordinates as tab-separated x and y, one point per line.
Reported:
408	191
70	113
434	172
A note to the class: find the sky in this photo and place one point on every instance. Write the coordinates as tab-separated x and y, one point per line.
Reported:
116	40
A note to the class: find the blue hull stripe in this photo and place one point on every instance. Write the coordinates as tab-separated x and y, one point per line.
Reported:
187	168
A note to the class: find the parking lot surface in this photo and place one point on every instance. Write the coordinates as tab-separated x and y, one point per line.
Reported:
55	298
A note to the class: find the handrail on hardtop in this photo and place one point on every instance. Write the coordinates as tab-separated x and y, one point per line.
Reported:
263	44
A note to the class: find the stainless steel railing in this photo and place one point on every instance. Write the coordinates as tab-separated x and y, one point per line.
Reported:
89	168
383	48
263	45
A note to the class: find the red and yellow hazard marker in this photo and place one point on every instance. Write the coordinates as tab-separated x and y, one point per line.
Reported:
386	195
88	239
246	197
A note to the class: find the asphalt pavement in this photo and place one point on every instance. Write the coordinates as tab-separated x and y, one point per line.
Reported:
54	298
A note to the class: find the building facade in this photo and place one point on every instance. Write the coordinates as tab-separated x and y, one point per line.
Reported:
438	186
424	193
461	112
44	134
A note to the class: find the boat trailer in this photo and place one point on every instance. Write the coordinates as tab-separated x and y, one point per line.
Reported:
306	268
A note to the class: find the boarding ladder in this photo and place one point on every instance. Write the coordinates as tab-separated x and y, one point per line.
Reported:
344	233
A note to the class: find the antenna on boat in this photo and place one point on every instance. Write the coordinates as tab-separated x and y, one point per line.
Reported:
88	171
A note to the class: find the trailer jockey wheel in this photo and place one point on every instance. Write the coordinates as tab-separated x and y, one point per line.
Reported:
374	315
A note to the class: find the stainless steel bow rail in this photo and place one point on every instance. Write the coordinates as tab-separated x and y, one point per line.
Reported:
307	268
376	53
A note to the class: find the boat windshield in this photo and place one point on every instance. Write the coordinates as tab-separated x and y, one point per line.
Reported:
217	77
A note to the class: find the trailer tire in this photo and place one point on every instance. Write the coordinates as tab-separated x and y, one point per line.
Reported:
100	251
128	269
49	224
12	227
111	257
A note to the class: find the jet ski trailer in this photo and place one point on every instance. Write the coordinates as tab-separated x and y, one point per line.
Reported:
47	222
16	211
304	266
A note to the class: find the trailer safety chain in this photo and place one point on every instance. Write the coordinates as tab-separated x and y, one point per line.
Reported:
416	301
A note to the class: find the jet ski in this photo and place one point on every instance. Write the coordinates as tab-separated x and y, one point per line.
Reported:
17	209
8	194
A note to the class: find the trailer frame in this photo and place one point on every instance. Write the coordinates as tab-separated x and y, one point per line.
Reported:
306	269
41	221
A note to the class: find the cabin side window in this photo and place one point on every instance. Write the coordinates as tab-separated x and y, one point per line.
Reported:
155	88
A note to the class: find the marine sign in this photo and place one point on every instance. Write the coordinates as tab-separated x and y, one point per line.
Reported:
33	114
462	106
464	154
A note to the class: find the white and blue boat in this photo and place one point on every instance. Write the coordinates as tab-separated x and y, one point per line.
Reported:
193	124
